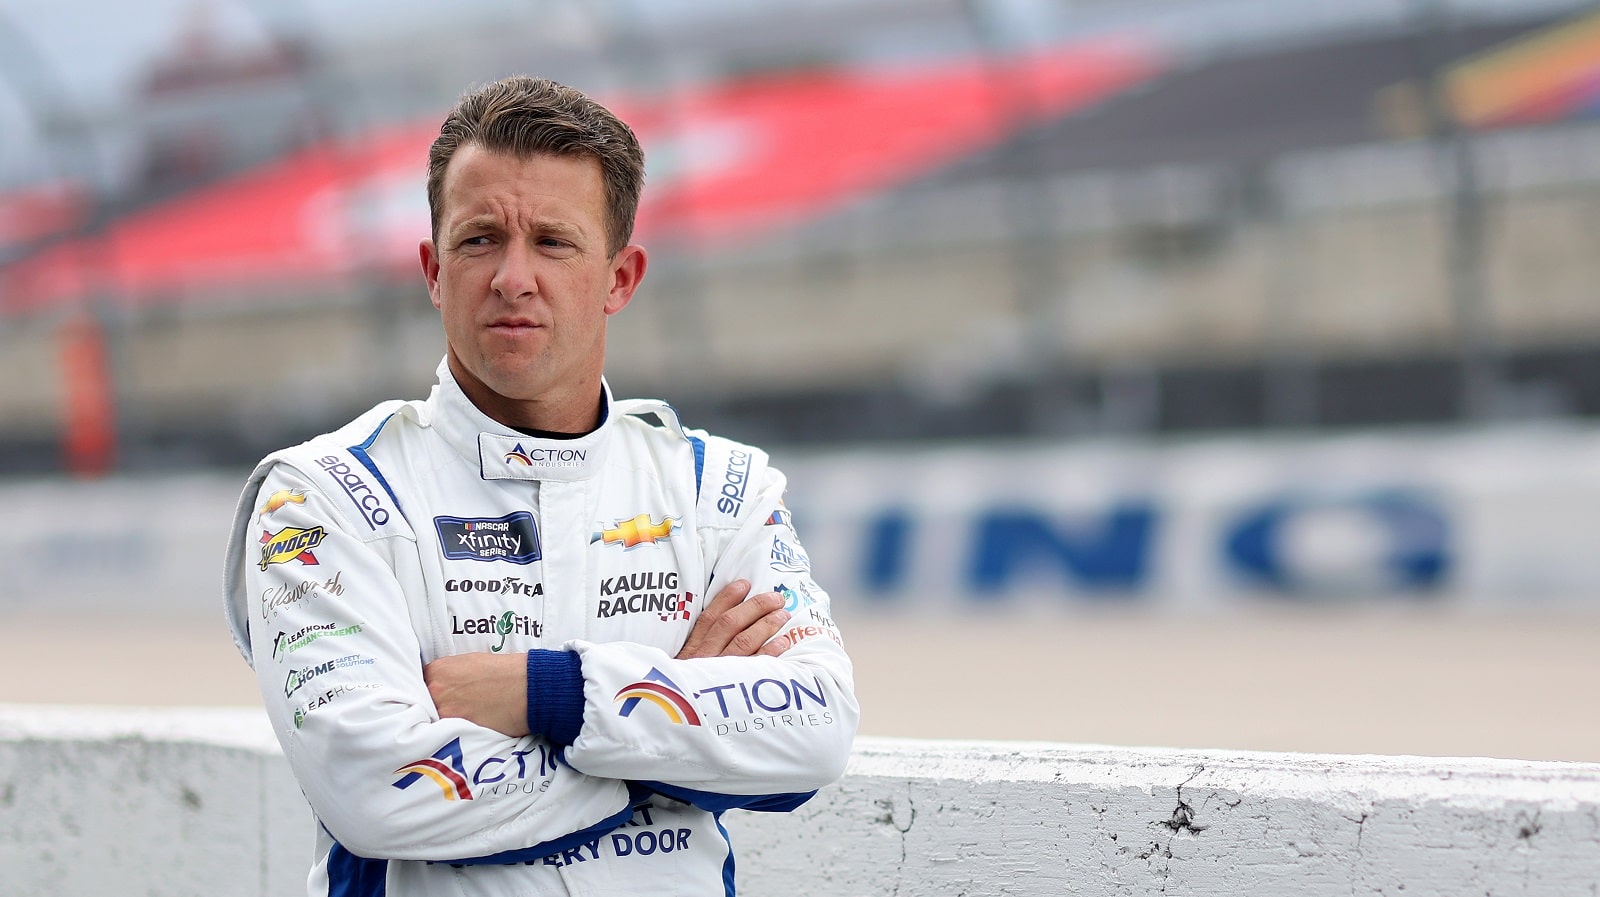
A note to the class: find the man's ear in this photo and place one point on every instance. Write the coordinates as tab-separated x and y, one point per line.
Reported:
430	269
627	270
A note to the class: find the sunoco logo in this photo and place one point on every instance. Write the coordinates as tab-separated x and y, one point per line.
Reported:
291	544
513	538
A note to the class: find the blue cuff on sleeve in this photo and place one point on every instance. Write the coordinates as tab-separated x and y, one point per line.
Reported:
555	695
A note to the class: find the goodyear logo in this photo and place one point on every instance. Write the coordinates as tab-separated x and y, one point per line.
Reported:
291	544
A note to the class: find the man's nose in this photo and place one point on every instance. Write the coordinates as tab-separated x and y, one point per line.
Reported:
515	278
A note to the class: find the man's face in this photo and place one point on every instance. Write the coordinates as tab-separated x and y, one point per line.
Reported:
522	279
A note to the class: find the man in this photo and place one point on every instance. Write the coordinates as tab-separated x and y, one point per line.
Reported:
480	621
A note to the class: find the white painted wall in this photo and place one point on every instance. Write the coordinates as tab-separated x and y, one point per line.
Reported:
99	802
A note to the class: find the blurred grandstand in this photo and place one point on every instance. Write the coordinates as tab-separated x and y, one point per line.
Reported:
870	221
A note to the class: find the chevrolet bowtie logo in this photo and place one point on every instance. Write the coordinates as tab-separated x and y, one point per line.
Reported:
638	531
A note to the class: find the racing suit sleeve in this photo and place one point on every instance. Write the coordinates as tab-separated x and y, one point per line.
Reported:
725	731
339	666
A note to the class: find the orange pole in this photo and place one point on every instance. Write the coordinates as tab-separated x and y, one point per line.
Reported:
90	442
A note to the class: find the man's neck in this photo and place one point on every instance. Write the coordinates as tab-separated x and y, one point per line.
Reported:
550	416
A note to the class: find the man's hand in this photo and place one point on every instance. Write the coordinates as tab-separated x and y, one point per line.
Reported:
730	626
488	689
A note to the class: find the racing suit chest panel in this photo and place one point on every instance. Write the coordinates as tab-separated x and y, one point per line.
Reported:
515	564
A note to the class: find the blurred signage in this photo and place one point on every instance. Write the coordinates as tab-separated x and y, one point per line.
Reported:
1503	521
1485	520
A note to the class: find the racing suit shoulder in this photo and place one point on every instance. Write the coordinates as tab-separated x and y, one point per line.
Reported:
338	465
730	476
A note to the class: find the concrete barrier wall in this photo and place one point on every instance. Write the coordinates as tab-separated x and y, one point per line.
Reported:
200	802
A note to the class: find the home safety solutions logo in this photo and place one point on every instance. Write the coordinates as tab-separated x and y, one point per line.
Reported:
657	689
445	768
640	530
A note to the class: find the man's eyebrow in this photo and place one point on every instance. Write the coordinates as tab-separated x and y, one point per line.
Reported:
555	226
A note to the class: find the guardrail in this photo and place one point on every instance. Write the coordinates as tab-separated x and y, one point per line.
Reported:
97	801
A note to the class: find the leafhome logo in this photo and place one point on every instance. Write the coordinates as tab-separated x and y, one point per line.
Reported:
656	688
513	538
546	457
298	678
290	544
287	643
280	498
445	769
641	530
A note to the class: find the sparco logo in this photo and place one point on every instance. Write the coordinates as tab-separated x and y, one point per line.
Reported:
513	538
370	505
734	482
507	586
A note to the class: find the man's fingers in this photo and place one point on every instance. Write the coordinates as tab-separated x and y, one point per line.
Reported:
776	646
749	640
740	629
699	643
727	599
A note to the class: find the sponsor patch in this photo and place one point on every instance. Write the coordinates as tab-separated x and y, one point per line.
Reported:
632	533
513	538
506	623
522	771
368	502
298	678
285	594
788	557
656	689
291	544
280	498
286	643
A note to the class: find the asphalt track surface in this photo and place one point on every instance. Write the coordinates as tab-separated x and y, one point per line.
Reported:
1429	684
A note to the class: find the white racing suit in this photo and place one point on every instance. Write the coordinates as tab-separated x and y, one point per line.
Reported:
425	529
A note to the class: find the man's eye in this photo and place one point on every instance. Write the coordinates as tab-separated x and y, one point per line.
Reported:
476	241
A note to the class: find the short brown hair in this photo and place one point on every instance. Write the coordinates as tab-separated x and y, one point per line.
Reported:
526	116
